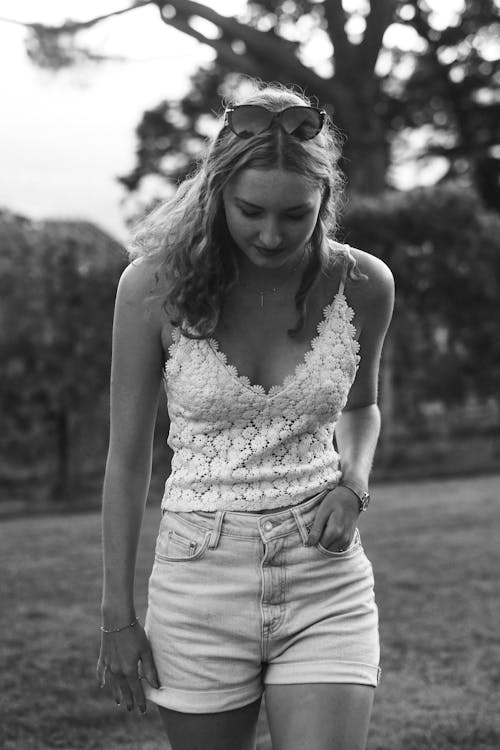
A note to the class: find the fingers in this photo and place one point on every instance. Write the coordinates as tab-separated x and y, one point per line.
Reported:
149	669
125	685
127	690
331	530
335	521
332	535
138	694
115	688
320	520
132	692
124	659
335	537
101	673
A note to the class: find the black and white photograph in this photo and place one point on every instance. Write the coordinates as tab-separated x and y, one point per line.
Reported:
250	374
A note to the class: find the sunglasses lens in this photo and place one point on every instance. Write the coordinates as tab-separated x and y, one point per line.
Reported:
302	122
249	119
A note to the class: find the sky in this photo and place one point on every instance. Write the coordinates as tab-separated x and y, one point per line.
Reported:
66	136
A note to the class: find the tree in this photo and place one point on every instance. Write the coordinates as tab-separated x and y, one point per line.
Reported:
57	286
448	80
444	251
390	68
454	92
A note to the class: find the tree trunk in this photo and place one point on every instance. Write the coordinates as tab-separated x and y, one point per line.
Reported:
365	165
366	155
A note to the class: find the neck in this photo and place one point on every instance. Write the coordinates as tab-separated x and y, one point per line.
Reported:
262	278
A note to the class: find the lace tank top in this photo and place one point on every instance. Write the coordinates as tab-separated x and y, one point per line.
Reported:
238	447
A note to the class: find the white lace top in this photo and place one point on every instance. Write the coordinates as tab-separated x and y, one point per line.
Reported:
238	447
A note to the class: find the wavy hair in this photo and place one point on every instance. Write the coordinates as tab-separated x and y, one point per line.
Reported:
187	236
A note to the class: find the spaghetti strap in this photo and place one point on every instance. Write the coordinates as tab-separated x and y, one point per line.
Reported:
344	274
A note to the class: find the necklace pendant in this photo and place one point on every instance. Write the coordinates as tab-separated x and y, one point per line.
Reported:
261	299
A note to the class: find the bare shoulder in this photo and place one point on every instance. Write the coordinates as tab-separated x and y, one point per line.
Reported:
371	297
138	280
375	292
379	281
141	288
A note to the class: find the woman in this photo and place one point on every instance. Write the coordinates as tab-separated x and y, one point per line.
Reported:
240	300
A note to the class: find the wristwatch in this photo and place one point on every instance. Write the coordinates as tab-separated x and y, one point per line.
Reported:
362	495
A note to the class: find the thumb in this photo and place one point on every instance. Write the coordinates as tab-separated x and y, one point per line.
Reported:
149	669
101	673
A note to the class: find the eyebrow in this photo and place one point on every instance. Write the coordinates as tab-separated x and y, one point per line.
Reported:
256	205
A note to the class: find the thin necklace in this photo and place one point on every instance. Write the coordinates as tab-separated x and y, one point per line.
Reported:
274	289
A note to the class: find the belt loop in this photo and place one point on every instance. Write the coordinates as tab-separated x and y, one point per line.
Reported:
298	513
217	528
300	524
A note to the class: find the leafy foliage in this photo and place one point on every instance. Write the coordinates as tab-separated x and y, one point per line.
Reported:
379	67
57	286
454	91
444	251
445	85
390	69
172	134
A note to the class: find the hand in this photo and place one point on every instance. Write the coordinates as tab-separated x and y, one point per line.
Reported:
119	662
335	521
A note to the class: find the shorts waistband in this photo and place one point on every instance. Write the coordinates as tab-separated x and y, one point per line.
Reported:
266	526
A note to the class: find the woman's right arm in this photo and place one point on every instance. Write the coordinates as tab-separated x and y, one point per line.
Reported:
136	376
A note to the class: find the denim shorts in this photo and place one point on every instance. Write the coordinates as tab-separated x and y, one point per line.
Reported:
237	601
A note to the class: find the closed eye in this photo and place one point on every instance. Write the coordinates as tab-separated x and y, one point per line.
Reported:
296	217
292	217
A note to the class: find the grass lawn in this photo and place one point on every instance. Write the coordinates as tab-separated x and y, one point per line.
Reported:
436	555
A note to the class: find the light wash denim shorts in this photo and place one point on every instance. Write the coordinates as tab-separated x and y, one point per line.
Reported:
237	601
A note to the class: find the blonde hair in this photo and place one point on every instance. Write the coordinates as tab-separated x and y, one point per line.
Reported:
187	236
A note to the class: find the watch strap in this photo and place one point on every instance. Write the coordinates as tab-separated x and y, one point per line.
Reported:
362	494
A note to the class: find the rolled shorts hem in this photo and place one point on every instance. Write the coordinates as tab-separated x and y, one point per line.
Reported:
202	701
215	701
347	672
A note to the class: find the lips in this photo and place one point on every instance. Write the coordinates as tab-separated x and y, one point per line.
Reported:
268	251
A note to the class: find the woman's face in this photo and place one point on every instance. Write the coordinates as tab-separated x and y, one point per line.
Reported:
271	215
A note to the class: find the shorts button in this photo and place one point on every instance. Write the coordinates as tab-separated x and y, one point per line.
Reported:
268	526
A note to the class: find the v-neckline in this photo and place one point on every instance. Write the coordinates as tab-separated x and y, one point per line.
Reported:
258	389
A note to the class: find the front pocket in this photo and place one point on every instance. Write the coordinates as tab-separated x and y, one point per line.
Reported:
354	546
177	545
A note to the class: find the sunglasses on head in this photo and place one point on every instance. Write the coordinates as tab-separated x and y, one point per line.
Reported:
246	120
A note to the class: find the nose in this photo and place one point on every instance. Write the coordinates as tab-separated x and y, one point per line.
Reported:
270	235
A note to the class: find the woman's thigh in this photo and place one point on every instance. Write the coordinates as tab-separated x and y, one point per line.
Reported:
319	716
227	730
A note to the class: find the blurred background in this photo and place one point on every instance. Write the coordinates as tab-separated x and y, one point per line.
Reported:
106	105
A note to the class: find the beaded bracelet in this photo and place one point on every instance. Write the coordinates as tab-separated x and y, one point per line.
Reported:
118	630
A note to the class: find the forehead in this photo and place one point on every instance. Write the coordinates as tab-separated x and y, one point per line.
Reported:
273	186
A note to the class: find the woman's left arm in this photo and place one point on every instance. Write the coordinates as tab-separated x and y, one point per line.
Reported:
358	427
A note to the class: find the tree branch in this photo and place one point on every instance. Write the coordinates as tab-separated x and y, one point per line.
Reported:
266	51
223	49
230	26
73	26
